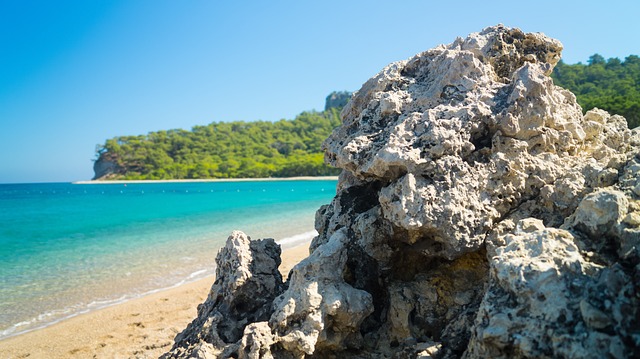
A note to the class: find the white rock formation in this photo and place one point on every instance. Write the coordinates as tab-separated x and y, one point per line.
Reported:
479	214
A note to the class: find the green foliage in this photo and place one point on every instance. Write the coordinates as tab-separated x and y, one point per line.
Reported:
611	85
226	150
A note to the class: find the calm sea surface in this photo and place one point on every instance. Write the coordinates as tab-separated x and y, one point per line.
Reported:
66	249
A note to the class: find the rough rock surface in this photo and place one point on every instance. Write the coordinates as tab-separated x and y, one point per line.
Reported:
104	168
247	281
479	214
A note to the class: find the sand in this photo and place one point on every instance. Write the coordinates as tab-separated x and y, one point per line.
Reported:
140	328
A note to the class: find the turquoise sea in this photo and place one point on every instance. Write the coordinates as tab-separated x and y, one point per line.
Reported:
66	249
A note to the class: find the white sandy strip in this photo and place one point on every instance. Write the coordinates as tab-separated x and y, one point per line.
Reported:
301	178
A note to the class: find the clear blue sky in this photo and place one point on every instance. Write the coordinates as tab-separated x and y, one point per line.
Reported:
74	73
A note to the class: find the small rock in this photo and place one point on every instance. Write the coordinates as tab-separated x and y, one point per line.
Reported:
594	317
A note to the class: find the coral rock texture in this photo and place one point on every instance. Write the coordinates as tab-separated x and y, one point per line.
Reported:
479	214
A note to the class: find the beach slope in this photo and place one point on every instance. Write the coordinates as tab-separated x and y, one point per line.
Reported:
140	328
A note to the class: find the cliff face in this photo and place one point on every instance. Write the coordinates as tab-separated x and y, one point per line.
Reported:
105	168
479	214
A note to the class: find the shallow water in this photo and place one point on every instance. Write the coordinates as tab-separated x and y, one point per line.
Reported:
70	248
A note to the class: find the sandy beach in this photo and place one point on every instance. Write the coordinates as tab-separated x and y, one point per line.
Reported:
140	328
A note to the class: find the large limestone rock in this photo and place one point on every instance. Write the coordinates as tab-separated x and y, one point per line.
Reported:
479	214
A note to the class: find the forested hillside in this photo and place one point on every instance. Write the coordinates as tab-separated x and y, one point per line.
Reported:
611	85
223	150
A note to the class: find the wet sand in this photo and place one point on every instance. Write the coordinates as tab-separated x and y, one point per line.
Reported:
140	328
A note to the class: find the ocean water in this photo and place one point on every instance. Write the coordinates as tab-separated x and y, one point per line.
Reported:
66	249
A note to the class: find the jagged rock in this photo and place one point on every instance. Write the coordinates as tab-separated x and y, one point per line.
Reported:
320	312
247	281
479	214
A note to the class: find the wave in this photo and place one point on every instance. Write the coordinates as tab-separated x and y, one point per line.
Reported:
297	239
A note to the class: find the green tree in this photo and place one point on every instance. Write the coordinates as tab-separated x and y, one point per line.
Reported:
611	85
226	150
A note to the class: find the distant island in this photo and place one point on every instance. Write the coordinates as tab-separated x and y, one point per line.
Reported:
290	148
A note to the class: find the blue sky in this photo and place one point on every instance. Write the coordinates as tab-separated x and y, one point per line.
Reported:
74	73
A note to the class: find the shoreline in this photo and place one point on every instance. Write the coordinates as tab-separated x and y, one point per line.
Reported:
104	304
264	179
139	327
287	242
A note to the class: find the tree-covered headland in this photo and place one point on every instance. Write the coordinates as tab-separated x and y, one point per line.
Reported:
284	148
